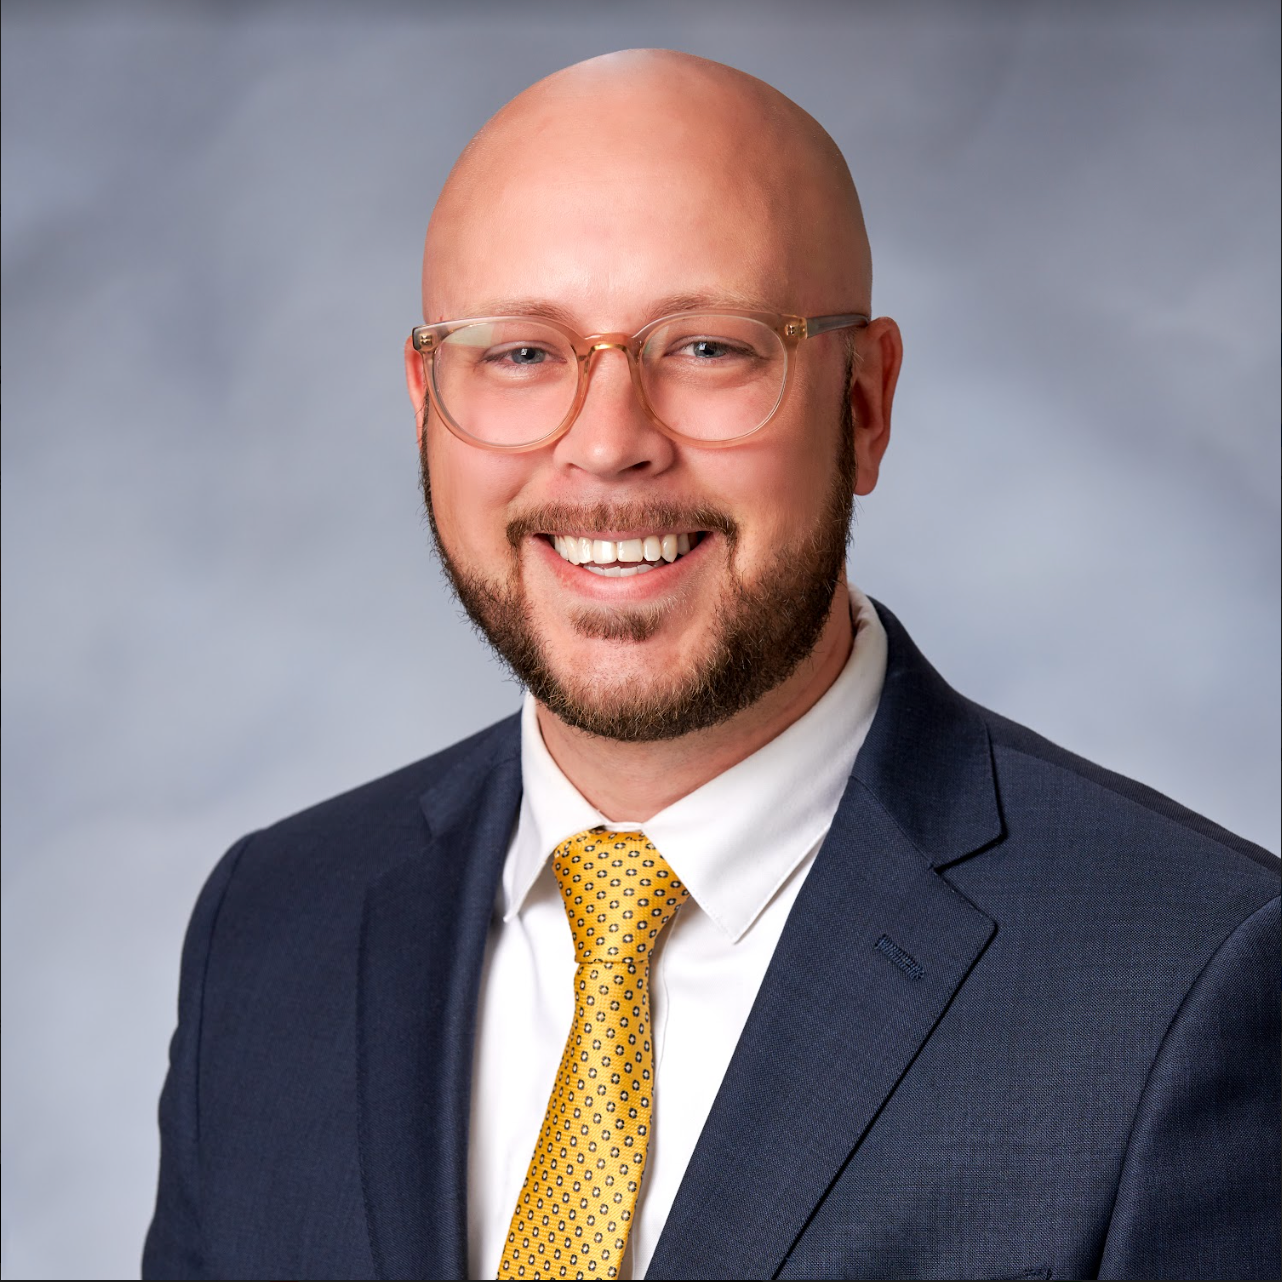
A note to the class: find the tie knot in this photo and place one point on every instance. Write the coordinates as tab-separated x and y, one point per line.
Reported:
619	894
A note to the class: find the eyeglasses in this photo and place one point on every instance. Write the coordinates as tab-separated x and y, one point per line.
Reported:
517	382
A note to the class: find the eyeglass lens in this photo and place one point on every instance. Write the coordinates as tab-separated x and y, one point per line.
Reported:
708	377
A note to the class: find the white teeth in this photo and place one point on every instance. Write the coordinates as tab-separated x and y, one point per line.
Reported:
619	558
619	571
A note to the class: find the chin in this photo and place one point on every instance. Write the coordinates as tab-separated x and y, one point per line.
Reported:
611	666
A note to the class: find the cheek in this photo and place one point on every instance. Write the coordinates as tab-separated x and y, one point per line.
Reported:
472	493
775	486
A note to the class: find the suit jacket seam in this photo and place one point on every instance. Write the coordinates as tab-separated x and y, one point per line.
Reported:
480	777
903	832
513	753
362	1149
941	868
375	879
1161	1046
1130	798
233	862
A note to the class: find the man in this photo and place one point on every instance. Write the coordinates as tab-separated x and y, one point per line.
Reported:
750	948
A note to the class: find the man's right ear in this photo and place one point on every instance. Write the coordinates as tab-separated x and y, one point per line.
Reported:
416	385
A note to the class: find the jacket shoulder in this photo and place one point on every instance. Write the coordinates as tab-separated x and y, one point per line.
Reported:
962	780
1118	813
393	792
359	833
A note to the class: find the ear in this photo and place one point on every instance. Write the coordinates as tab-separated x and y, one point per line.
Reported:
879	352
416	385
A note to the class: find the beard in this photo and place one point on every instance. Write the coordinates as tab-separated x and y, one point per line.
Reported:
761	631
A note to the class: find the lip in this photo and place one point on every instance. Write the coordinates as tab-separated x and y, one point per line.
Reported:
664	579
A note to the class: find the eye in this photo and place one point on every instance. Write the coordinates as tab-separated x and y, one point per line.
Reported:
708	350
521	355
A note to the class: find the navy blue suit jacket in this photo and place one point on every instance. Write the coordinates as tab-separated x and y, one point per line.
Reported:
1022	1023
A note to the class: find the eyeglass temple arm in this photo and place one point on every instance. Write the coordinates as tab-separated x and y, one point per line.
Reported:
825	324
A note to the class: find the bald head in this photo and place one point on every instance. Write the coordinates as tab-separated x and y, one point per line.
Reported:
581	175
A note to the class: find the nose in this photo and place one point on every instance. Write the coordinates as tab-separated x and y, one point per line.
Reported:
613	437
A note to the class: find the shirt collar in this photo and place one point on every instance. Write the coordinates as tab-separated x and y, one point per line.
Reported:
735	840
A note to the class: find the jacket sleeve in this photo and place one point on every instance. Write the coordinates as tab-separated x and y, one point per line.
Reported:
1200	1188
173	1247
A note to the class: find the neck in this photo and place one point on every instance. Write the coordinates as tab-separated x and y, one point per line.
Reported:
634	781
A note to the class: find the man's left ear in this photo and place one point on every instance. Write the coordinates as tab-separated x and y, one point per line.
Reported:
880	352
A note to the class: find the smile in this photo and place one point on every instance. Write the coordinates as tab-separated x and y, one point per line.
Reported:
621	558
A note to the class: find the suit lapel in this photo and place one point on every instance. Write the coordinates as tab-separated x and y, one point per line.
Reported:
422	949
874	950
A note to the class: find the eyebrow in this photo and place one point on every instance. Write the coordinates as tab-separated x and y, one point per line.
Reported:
704	300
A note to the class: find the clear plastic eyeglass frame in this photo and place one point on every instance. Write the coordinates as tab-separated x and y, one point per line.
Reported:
791	330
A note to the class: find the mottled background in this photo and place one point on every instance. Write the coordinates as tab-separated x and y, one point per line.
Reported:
219	601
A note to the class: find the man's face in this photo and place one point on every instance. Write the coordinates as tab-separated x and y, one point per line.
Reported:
608	241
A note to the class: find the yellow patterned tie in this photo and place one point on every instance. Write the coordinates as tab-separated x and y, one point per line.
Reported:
575	1208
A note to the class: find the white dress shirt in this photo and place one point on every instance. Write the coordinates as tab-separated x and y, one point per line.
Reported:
742	844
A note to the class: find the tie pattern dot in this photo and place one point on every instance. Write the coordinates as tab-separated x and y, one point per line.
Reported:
575	1208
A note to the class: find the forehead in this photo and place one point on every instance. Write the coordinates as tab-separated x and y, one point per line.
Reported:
604	228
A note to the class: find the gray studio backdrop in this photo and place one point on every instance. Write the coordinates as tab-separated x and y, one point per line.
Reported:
219	602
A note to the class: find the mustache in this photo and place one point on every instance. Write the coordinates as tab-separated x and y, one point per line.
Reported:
571	518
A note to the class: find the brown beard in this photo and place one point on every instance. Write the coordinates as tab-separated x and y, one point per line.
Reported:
760	633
